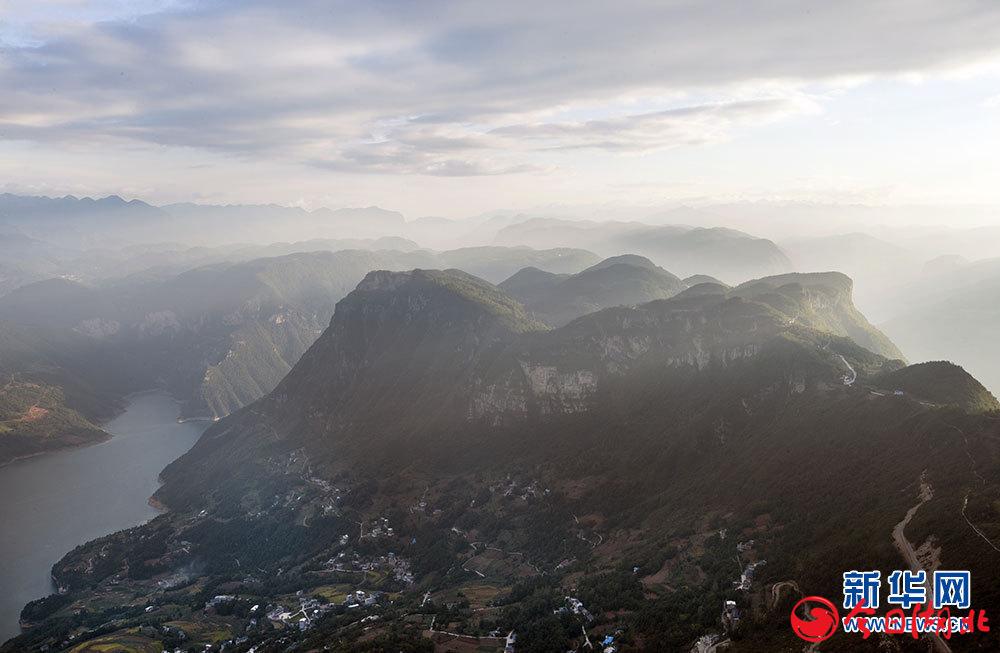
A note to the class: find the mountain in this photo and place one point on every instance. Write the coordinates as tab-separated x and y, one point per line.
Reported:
696	279
19	207
941	382
24	259
728	254
222	335
497	263
84	223
528	285
466	466
218	336
60	303
34	418
615	281
70	221
54	391
824	301
269	223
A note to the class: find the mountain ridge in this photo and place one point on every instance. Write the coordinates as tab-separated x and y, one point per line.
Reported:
619	458
615	281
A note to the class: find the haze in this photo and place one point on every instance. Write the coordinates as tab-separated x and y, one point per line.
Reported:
498	326
456	109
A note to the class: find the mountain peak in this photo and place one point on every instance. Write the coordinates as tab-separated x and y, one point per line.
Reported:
453	284
940	382
833	281
696	279
823	300
625	259
616	281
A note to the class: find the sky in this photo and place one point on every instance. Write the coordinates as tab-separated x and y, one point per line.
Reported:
455	108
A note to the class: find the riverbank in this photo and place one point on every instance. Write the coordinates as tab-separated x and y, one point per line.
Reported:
65	498
4	462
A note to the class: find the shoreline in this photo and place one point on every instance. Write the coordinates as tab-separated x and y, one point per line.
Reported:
64	447
106	435
102	424
119	410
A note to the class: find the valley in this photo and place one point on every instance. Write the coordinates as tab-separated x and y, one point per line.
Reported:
434	450
438	438
499	327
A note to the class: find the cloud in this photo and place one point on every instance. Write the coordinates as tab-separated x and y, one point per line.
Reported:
455	89
399	158
656	130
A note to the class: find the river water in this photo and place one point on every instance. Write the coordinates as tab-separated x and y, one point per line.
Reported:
51	503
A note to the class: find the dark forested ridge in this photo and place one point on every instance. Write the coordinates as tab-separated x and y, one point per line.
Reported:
441	450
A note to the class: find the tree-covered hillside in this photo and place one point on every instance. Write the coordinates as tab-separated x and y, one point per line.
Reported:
640	459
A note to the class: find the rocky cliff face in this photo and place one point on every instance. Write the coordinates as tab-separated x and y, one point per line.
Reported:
564	369
414	361
823	300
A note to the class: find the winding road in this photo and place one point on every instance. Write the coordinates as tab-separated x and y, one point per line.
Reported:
852	375
910	554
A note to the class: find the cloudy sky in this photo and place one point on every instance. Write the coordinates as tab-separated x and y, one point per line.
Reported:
454	108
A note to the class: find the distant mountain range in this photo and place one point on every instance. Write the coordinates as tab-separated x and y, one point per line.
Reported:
113	221
73	235
730	255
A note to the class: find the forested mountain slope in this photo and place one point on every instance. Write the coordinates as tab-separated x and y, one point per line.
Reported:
619	459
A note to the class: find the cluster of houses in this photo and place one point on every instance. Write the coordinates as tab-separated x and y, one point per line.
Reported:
746	577
730	615
380	527
399	568
310	609
360	597
511	488
219	599
575	606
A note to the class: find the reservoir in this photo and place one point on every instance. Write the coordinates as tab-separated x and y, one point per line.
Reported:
51	503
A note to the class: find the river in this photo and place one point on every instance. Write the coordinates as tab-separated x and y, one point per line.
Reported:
54	502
